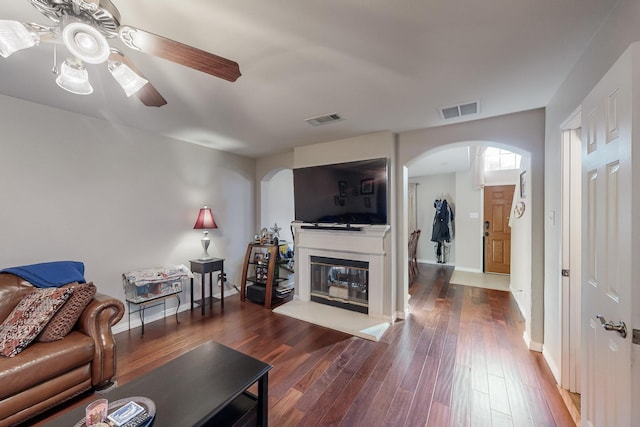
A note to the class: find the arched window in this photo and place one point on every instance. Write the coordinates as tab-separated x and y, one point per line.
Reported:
498	159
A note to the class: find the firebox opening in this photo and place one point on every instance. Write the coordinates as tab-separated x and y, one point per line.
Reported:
340	283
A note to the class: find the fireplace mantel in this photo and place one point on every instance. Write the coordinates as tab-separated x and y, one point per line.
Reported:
371	243
368	240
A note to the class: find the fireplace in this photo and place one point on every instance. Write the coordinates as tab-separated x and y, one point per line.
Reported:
368	247
338	282
351	267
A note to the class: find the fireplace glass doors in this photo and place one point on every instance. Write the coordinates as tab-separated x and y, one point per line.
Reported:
340	282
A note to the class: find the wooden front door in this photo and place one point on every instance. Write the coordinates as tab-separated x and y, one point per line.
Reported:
497	233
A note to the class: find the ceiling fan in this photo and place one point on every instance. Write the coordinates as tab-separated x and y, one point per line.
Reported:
85	26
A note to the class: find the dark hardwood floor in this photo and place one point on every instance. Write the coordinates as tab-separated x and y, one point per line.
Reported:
458	360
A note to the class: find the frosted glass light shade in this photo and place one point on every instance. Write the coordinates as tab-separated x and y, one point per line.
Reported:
86	43
14	36
74	78
128	79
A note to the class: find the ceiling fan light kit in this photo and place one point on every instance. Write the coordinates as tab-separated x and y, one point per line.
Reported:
14	37
128	79
86	43
85	26
74	78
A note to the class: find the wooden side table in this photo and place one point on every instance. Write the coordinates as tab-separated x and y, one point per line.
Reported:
203	267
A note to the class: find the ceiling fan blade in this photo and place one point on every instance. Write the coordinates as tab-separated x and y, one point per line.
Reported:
180	53
148	94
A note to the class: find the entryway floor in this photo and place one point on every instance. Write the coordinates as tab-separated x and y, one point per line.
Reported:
498	282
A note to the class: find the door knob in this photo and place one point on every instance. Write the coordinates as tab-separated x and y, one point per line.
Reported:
620	328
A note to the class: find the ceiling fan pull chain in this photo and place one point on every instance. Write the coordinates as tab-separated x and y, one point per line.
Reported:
54	70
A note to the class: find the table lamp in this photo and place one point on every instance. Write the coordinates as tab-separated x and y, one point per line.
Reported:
205	222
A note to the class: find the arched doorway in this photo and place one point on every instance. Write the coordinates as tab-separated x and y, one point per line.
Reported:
457	173
522	133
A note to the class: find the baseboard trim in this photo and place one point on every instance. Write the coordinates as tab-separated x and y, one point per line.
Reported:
552	364
123	325
434	262
403	315
468	270
185	305
531	345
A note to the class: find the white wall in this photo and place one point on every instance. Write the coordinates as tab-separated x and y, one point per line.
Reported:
521	132
115	198
521	263
277	203
468	222
266	168
503	177
614	36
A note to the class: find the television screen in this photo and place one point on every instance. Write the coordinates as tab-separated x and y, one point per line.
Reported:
342	193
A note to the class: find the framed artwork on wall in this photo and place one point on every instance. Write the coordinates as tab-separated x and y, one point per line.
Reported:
366	186
342	185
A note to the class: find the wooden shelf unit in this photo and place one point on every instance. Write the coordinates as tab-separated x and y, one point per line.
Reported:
270	280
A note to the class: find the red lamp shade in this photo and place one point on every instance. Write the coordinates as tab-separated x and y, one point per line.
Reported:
205	220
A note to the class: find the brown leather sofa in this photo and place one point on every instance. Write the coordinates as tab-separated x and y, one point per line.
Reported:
48	373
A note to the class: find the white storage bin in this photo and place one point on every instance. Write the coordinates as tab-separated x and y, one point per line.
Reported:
148	284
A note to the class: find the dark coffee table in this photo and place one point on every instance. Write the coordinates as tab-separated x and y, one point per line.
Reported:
206	386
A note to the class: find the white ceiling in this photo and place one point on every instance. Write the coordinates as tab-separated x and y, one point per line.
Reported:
449	160
382	65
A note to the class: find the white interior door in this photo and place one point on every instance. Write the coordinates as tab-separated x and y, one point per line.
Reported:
607	251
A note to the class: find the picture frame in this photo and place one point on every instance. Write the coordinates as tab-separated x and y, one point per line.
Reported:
336	200
367	202
523	184
342	185
366	186
261	274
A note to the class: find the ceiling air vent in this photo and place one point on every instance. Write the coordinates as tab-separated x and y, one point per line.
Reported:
325	119
460	110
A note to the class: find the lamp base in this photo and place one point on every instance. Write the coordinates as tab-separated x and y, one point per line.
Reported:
205	245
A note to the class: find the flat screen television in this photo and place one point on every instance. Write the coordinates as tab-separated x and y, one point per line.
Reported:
342	193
